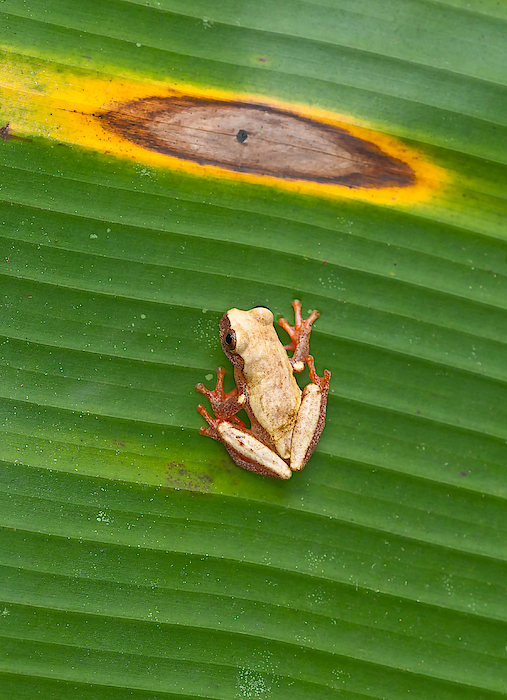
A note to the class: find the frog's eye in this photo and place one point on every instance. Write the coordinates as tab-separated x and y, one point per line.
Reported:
230	340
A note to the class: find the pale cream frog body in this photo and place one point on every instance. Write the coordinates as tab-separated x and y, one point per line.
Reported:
286	423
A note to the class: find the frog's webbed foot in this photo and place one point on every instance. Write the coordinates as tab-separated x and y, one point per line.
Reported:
322	382
300	336
225	405
212	422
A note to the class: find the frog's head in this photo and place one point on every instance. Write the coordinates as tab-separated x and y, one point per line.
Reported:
242	332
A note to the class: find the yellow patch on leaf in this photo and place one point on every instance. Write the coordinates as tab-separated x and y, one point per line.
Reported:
212	133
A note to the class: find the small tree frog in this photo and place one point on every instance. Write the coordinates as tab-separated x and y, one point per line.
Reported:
286	423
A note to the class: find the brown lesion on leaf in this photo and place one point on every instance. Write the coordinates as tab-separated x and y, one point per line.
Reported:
177	476
256	139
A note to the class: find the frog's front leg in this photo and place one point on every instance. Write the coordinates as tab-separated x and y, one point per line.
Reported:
244	448
224	405
300	336
311	417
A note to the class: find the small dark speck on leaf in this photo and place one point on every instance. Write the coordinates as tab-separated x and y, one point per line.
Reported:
463	473
241	136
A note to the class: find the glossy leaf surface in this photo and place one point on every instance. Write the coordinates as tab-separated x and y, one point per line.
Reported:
137	559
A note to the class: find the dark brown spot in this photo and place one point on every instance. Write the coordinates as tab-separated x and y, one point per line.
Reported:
241	136
177	476
256	139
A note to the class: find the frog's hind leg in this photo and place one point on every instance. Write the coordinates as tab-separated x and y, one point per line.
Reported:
251	454
310	419
244	448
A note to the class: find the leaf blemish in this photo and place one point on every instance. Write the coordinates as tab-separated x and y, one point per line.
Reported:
257	139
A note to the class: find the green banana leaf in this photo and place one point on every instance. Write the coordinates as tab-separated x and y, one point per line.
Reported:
137	559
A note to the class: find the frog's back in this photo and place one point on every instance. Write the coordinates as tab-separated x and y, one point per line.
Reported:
275	397
273	393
